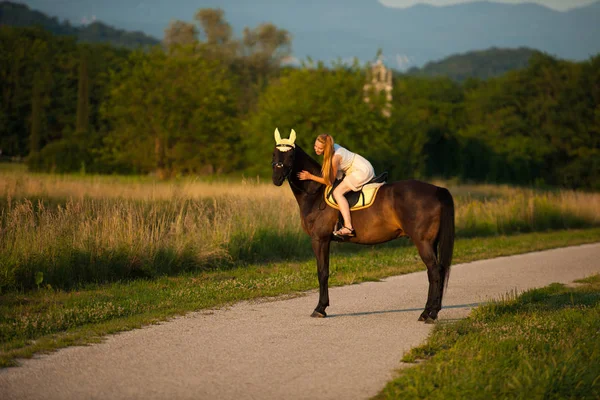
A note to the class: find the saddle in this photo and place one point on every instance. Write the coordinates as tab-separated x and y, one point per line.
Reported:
357	200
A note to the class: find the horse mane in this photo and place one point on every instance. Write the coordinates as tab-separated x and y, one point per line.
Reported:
306	162
302	161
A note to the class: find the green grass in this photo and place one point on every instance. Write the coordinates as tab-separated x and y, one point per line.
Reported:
82	256
49	318
543	344
12	168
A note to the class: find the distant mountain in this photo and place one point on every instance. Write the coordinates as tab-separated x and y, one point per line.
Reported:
482	64
342	29
15	14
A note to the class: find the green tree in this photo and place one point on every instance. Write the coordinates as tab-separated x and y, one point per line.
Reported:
426	115
83	96
216	35
577	116
180	33
22	55
266	46
262	52
216	29
36	115
255	58
314	100
534	125
513	149
41	82
172	113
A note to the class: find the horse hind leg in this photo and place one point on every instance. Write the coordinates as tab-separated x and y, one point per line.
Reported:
427	251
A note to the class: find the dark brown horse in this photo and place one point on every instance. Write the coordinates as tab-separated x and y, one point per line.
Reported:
419	210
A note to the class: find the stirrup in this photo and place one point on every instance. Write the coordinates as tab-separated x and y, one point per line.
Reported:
338	234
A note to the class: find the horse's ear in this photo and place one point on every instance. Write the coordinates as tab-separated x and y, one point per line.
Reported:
277	136
293	136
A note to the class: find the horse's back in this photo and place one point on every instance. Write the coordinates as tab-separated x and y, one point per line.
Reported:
419	206
412	190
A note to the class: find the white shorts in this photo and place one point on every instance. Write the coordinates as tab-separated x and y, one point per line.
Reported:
360	172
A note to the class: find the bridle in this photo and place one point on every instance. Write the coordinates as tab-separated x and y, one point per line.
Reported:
287	175
280	164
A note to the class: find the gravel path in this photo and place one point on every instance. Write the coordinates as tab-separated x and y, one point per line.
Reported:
273	350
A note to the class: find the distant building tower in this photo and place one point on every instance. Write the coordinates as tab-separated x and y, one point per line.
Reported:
379	79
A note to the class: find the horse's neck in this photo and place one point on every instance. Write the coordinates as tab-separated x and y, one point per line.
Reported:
307	189
303	161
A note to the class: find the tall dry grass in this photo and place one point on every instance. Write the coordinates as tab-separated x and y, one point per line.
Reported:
21	184
70	230
524	210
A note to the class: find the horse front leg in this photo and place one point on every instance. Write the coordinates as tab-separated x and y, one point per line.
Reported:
321	250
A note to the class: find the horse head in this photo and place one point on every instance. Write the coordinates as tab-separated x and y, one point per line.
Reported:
283	157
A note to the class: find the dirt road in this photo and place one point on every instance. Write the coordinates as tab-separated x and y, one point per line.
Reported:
273	350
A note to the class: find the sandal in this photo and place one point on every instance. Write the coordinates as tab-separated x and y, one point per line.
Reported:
338	233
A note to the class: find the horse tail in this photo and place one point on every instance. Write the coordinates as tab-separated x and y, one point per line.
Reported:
446	234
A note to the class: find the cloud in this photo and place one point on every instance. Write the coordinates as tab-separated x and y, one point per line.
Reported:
559	5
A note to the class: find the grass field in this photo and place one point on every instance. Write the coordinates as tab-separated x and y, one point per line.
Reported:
84	256
47	319
543	344
68	231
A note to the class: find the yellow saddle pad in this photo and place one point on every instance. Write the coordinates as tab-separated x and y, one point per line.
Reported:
357	200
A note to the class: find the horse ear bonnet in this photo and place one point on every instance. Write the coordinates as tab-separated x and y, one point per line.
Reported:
285	144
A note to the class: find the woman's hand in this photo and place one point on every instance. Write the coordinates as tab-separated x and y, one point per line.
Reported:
304	175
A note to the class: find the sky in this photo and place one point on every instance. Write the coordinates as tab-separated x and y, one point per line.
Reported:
559	5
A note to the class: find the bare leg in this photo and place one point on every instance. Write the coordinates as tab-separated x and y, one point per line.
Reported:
338	195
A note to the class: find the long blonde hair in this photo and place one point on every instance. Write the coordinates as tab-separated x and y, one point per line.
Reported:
327	168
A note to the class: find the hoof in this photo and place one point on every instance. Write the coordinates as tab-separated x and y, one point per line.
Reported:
317	314
430	320
421	318
424	316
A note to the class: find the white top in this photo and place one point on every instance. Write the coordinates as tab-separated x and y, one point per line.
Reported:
358	170
347	157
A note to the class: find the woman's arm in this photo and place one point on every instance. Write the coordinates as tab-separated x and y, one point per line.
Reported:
335	165
305	175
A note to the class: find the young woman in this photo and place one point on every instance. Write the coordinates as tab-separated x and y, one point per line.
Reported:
336	162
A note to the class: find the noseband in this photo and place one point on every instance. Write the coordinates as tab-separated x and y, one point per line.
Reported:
280	164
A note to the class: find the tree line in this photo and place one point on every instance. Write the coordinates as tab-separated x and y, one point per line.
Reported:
206	102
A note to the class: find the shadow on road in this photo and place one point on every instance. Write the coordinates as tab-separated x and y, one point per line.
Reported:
360	314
